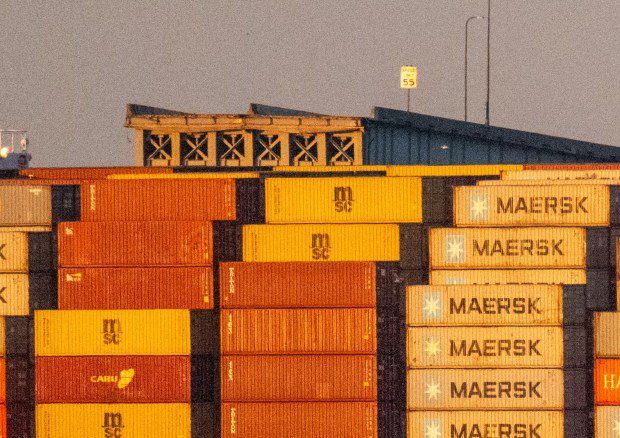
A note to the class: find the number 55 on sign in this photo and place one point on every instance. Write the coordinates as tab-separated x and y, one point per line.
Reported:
408	77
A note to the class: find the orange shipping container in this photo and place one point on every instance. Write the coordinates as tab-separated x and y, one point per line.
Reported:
299	378
300	420
82	173
3	421
113	379
470	248
135	288
3	380
298	331
109	244
297	284
607	382
159	200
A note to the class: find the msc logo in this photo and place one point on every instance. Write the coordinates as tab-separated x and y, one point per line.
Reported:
122	380
320	246
112	331
343	199
454	249
479	206
113	425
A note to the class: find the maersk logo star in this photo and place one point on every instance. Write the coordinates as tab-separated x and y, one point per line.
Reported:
455	249
432	390
432	429
432	347
432	306
479	207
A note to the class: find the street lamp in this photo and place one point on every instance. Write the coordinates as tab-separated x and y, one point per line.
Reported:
475	17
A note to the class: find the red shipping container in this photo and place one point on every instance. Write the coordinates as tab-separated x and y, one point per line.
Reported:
135	244
299	378
300	420
135	288
298	331
297	284
113	379
3	421
607	381
83	173
159	200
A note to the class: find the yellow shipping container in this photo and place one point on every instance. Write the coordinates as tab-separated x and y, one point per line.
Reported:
350	242
14	296
25	205
447	305
607	421
205	175
569	205
607	334
330	169
603	174
488	389
347	199
112	332
458	170
470	248
508	276
126	420
13	252
547	182
483	424
485	347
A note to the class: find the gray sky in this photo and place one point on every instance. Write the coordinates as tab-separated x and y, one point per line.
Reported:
69	67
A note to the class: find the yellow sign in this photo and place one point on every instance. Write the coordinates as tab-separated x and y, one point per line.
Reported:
408	77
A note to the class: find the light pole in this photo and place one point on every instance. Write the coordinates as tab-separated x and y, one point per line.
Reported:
475	17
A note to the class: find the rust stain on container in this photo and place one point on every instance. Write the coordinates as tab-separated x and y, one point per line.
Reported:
110	244
113	379
524	424
298	331
299	378
317	242
491	389
135	288
485	347
508	276
606	330
300	420
466	248
443	305
297	284
606	421
524	206
159	200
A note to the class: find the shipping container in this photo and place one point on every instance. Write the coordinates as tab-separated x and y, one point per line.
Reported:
14	294
485	347
13	252
493	305
607	381
25	205
299	378
110	244
112	332
577	174
298	331
135	288
525	424
126	420
80	173
455	170
334	200
113	379
530	206
191	175
572	166
330	169
298	284
291	243
171	200
489	389
3	432
610	183
606	421
300	420
606	330
470	248
3	381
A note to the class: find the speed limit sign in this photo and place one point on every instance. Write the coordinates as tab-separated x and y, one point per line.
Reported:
408	77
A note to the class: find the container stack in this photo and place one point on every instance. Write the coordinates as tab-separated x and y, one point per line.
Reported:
135	344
